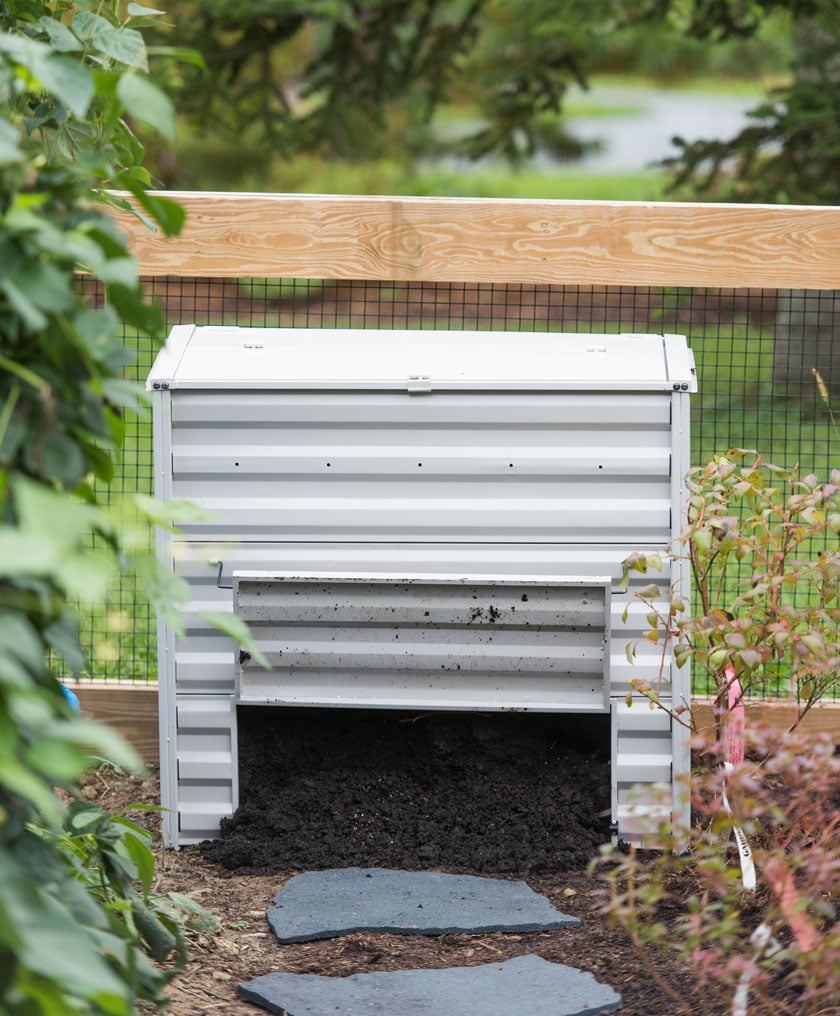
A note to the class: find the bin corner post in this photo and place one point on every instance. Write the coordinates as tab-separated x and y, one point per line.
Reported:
167	712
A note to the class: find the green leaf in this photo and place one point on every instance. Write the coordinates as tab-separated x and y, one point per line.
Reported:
179	53
125	45
138	11
63	460
144	101
19	642
230	624
10	152
118	271
46	287
137	845
138	189
88	734
702	541
69	81
718	659
31	316
750	658
57	760
129	303
53	944
163	589
168	214
60	36
24	554
681	655
21	780
51	542
100	462
96	330
63	637
159	940
170	514
126	395
82	815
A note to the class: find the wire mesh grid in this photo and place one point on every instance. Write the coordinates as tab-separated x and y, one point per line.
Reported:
756	352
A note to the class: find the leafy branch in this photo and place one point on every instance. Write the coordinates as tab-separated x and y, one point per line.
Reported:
761	545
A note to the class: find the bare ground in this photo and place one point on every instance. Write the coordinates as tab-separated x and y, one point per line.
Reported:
241	947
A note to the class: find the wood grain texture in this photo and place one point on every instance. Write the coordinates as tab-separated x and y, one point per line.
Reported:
132	709
496	240
825	716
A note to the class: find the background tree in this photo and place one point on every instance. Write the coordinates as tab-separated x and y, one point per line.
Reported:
287	76
789	153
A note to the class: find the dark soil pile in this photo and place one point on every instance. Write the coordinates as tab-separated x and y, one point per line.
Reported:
491	793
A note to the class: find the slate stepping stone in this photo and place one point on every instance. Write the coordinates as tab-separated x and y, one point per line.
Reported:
525	984
326	904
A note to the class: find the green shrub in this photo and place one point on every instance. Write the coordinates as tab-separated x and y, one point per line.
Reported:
773	951
760	543
80	930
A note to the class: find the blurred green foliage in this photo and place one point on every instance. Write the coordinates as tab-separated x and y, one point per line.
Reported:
81	930
363	81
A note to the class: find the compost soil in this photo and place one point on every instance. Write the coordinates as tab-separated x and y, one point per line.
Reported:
494	793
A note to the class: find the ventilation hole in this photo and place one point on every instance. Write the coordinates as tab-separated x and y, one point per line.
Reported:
419	463
236	463
329	464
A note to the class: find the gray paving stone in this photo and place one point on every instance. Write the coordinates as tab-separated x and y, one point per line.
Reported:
524	985
325	904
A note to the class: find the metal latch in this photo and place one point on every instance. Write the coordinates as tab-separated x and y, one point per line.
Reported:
418	383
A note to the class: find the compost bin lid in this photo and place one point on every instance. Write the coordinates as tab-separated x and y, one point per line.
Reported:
216	357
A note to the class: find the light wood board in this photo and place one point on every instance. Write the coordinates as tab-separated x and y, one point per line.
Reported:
496	240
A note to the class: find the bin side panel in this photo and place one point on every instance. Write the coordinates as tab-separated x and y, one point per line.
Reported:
483	467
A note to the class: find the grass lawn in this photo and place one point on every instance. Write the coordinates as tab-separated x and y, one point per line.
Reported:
566	183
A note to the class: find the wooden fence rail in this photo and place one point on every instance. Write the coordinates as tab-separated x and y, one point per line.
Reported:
497	240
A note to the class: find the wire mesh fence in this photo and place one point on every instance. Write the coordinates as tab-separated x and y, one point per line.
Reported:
757	352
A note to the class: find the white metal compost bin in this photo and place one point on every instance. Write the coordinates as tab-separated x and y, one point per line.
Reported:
416	519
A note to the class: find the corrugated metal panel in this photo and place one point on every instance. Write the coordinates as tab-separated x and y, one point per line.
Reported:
642	769
281	358
207	777
205	658
442	642
483	468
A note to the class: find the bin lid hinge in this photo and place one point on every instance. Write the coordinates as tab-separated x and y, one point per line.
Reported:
419	383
